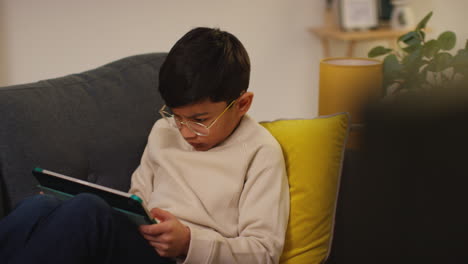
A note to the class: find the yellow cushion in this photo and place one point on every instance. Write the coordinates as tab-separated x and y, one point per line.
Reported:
313	150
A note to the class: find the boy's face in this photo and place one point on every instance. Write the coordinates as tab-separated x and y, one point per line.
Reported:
206	112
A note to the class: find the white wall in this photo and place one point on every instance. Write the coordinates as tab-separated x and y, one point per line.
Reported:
3	50
51	38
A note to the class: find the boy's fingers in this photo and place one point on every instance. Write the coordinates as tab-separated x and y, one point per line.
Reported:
150	238
159	246
161	214
153	230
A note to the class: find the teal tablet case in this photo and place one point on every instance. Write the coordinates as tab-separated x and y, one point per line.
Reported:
65	187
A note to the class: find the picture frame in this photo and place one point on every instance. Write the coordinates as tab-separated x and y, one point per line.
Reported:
385	10
358	14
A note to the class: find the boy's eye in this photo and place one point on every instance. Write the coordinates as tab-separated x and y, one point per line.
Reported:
199	120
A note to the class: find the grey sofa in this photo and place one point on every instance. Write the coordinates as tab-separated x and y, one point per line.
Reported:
92	126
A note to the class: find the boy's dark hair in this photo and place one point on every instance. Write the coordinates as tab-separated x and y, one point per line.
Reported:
205	63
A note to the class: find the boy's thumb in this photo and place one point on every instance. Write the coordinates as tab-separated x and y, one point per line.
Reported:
160	214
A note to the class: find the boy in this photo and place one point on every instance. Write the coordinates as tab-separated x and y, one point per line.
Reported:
208	163
214	178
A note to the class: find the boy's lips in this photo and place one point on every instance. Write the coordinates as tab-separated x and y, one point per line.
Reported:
199	146
196	145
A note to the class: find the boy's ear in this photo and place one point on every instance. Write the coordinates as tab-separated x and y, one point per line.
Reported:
244	102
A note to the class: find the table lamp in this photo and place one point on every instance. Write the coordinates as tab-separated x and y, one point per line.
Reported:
345	85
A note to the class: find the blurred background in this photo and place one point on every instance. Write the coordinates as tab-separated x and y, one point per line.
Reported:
51	38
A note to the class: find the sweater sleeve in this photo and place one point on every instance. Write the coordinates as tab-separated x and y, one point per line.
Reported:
142	178
262	220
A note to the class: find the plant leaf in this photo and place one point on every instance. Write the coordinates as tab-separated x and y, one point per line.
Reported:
460	60
432	67
392	70
391	64
431	48
424	72
411	38
423	34
378	51
423	22
413	57
442	61
410	49
447	40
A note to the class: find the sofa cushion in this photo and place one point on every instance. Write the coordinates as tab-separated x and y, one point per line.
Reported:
313	151
93	125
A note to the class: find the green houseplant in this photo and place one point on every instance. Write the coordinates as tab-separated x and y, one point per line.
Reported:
420	64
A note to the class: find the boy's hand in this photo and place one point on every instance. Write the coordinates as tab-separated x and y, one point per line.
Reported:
170	237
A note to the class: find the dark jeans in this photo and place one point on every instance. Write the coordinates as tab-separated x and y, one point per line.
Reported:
84	229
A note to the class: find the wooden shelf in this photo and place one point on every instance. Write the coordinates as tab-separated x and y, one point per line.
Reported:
352	37
334	33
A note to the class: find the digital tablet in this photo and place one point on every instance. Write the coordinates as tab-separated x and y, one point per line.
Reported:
64	187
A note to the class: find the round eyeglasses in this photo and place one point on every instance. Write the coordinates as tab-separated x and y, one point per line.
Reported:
196	127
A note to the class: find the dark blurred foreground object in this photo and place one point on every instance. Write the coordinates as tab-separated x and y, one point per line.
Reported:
404	198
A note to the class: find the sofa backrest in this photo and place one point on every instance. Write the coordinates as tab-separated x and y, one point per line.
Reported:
93	125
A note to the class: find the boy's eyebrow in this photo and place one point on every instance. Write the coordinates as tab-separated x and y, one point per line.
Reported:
194	115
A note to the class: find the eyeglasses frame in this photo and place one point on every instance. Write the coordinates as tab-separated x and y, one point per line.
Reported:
166	116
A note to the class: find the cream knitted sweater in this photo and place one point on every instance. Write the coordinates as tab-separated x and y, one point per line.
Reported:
233	197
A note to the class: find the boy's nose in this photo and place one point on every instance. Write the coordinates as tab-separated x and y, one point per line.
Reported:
186	132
